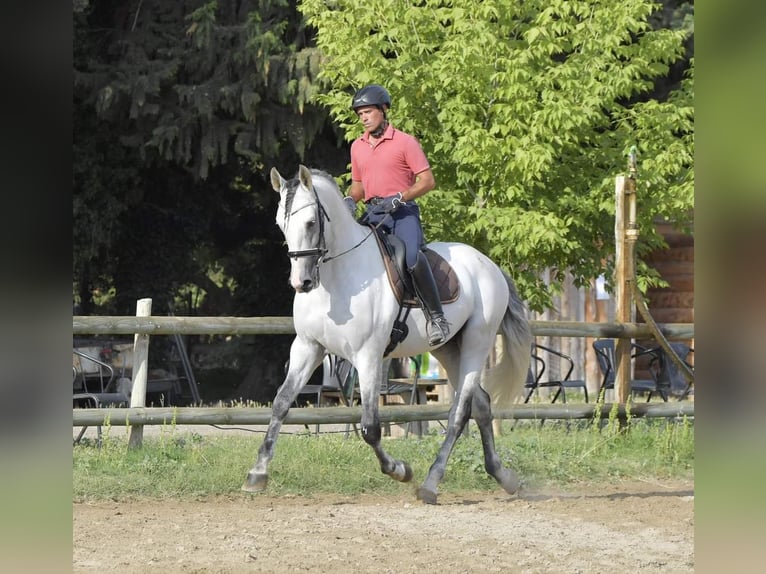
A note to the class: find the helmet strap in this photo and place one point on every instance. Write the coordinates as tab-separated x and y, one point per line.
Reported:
378	131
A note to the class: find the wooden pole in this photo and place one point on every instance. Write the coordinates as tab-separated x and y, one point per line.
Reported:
626	235
126	325
347	415
140	373
621	293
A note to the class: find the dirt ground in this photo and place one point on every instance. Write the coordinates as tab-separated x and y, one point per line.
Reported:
626	527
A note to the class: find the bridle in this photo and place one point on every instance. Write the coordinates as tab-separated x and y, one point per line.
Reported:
320	251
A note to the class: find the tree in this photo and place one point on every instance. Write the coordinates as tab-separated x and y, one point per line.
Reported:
179	110
526	111
198	84
179	106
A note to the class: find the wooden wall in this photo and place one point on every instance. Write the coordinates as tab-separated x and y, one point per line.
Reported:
673	304
575	304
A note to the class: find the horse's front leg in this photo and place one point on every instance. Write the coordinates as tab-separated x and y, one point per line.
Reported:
304	359
369	384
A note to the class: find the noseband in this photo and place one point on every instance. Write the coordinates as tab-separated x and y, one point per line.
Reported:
321	249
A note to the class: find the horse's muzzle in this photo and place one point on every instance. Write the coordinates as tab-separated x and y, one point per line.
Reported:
304	287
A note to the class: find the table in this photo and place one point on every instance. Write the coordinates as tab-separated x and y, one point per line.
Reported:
404	387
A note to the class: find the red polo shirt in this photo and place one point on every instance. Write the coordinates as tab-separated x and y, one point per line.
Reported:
390	165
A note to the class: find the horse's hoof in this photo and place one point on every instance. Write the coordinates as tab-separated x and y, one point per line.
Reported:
408	474
426	496
402	472
510	482
255	482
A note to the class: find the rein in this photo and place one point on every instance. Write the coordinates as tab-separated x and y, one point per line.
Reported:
366	237
321	250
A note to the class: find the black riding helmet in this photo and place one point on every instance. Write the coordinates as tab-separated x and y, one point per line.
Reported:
372	95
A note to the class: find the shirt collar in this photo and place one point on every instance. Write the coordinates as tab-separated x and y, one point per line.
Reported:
387	135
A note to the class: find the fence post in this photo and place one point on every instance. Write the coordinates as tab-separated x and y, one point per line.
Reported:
626	234
621	294
140	373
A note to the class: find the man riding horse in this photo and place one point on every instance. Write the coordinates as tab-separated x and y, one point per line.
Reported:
389	170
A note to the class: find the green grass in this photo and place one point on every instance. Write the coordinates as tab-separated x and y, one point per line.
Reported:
189	465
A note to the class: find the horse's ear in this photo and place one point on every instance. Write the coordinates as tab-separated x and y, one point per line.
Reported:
276	180
304	174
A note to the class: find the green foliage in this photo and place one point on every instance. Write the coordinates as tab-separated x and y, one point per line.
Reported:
194	83
178	106
183	465
526	112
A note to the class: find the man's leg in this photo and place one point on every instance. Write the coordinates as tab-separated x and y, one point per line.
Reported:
425	287
407	227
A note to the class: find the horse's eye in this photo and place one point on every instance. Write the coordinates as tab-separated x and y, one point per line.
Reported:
310	224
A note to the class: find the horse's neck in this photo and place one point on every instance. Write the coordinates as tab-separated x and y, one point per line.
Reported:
348	241
346	232
353	236
355	256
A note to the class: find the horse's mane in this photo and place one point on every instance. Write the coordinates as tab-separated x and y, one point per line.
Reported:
325	178
318	178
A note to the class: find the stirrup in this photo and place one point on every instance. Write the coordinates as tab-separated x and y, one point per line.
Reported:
438	331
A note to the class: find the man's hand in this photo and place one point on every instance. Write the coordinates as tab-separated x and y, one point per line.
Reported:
390	203
351	204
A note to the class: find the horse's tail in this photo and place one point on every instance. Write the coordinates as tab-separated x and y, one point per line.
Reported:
505	381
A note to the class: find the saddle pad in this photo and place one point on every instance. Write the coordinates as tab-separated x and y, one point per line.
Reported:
444	275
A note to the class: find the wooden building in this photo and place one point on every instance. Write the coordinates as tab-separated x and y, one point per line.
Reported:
672	304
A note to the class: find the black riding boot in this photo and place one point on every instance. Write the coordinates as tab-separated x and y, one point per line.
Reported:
425	287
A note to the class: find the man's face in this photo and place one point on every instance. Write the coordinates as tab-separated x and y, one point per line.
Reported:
370	116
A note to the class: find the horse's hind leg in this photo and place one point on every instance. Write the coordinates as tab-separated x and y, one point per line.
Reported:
482	414
304	359
458	418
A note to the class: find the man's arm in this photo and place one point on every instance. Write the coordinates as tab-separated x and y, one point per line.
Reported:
356	191
424	182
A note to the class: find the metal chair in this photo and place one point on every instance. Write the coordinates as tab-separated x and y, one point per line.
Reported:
95	381
604	349
340	377
666	373
398	381
342	382
534	377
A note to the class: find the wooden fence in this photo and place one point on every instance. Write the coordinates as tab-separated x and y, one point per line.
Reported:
127	325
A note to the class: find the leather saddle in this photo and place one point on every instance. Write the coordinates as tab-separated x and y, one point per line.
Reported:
392	249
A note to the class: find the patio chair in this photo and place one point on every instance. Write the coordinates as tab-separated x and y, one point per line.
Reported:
667	374
604	349
94	386
406	382
341	382
534	377
338	381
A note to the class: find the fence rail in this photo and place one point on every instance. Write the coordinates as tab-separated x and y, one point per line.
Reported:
128	325
339	415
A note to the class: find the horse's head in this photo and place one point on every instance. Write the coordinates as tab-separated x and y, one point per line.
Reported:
301	218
